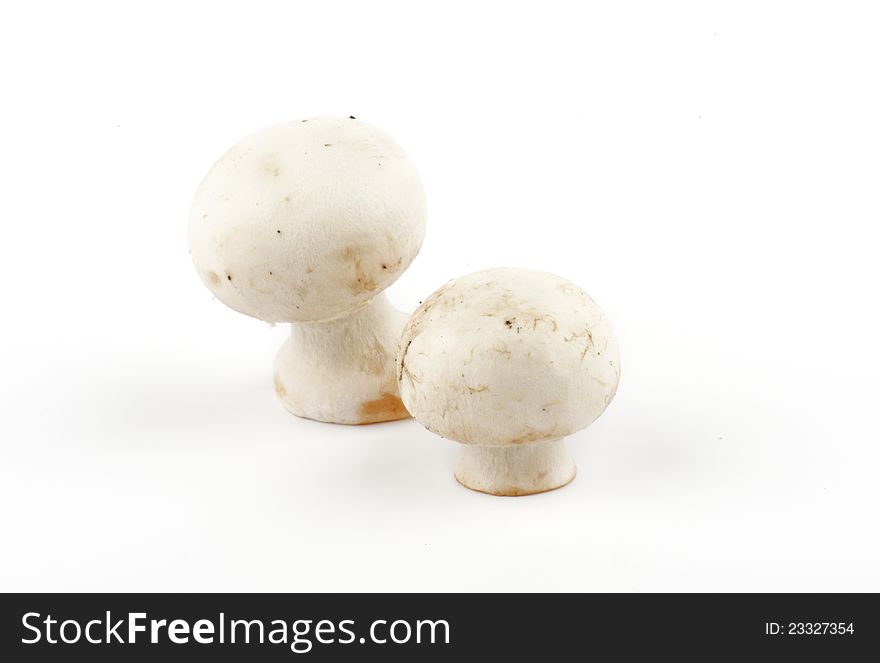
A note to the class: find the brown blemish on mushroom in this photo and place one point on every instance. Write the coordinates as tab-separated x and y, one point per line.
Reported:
601	382
309	270
213	278
280	389
401	363
544	318
362	282
259	285
589	344
229	277
478	389
529	435
388	407
269	166
405	372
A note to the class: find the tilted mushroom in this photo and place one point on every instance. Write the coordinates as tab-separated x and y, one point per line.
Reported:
308	222
508	362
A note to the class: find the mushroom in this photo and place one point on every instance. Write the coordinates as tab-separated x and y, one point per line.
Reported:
308	222
508	362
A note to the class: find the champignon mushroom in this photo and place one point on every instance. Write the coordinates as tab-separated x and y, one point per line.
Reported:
308	222
508	362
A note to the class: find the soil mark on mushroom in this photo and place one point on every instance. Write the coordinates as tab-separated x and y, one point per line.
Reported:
386	408
362	282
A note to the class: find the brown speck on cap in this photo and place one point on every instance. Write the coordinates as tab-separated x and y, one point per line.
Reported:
352	117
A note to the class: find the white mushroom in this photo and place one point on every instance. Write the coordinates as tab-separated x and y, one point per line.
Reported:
308	222
508	362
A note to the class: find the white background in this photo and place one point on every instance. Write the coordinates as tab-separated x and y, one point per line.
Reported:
709	175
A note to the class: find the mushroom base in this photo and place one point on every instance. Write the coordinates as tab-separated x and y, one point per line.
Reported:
522	469
343	371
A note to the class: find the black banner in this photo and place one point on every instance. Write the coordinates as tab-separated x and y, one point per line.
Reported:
429	627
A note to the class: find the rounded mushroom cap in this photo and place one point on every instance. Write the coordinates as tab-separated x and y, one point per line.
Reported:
307	220
507	356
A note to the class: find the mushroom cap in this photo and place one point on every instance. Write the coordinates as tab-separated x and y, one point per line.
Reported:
507	356
307	220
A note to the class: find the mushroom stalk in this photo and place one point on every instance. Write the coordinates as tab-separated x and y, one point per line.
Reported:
342	370
520	469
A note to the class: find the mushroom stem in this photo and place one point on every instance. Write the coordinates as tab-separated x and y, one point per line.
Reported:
342	370
521	469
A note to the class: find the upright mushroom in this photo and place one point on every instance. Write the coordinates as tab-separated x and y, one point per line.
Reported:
508	362
308	222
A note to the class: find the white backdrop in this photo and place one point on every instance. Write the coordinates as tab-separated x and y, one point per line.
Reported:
709	175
